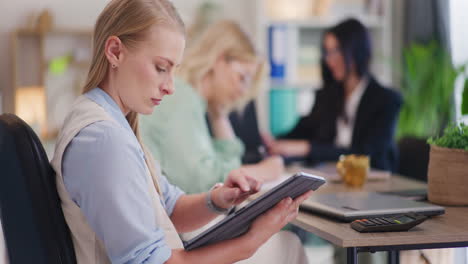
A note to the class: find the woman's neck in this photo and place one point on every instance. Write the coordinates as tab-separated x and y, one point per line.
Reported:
350	84
107	87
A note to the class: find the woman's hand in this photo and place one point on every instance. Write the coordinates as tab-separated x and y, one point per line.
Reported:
274	219
286	147
216	111
219	120
269	142
236	189
291	148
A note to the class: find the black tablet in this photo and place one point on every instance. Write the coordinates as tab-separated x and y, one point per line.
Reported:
239	222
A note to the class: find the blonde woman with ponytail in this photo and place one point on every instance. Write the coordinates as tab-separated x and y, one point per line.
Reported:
118	205
221	72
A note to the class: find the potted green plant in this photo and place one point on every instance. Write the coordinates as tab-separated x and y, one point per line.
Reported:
448	167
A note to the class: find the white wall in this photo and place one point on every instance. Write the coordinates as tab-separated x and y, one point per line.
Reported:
82	14
459	31
459	48
240	10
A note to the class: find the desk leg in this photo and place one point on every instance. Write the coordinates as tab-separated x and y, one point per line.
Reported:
393	257
351	255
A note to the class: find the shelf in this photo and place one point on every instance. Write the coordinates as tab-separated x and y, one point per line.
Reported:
325	22
33	52
81	64
306	85
57	31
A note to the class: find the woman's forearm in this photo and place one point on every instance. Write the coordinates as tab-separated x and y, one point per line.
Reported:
191	213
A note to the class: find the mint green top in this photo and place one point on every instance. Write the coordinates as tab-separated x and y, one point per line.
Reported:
178	136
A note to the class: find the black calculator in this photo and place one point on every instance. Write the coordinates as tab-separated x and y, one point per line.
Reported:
401	222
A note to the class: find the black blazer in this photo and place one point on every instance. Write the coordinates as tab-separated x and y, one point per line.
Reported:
373	132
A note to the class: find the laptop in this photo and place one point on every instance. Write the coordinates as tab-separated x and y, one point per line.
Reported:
349	206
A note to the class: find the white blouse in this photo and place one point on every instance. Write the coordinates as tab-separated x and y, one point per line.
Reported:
344	130
3	250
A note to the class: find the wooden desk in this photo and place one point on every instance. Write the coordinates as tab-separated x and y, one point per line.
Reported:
394	183
446	231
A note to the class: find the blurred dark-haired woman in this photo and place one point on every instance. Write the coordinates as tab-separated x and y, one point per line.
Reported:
353	112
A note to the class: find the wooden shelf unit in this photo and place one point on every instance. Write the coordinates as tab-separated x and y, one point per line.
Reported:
30	59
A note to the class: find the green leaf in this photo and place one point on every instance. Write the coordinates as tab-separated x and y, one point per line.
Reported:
465	99
455	137
59	65
427	87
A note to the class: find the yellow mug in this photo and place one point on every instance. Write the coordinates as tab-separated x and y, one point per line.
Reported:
353	169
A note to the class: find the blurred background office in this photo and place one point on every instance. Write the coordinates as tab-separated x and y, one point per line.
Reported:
45	50
420	48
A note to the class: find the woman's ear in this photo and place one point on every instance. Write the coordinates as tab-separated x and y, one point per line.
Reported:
113	50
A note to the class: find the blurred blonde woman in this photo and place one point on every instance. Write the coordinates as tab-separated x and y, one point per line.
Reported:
118	205
221	72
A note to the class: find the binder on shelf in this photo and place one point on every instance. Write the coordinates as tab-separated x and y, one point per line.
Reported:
277	50
283	42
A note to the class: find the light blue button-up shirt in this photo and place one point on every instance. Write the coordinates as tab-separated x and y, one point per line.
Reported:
105	174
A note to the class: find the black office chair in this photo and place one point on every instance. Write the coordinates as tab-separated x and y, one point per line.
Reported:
413	158
33	223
